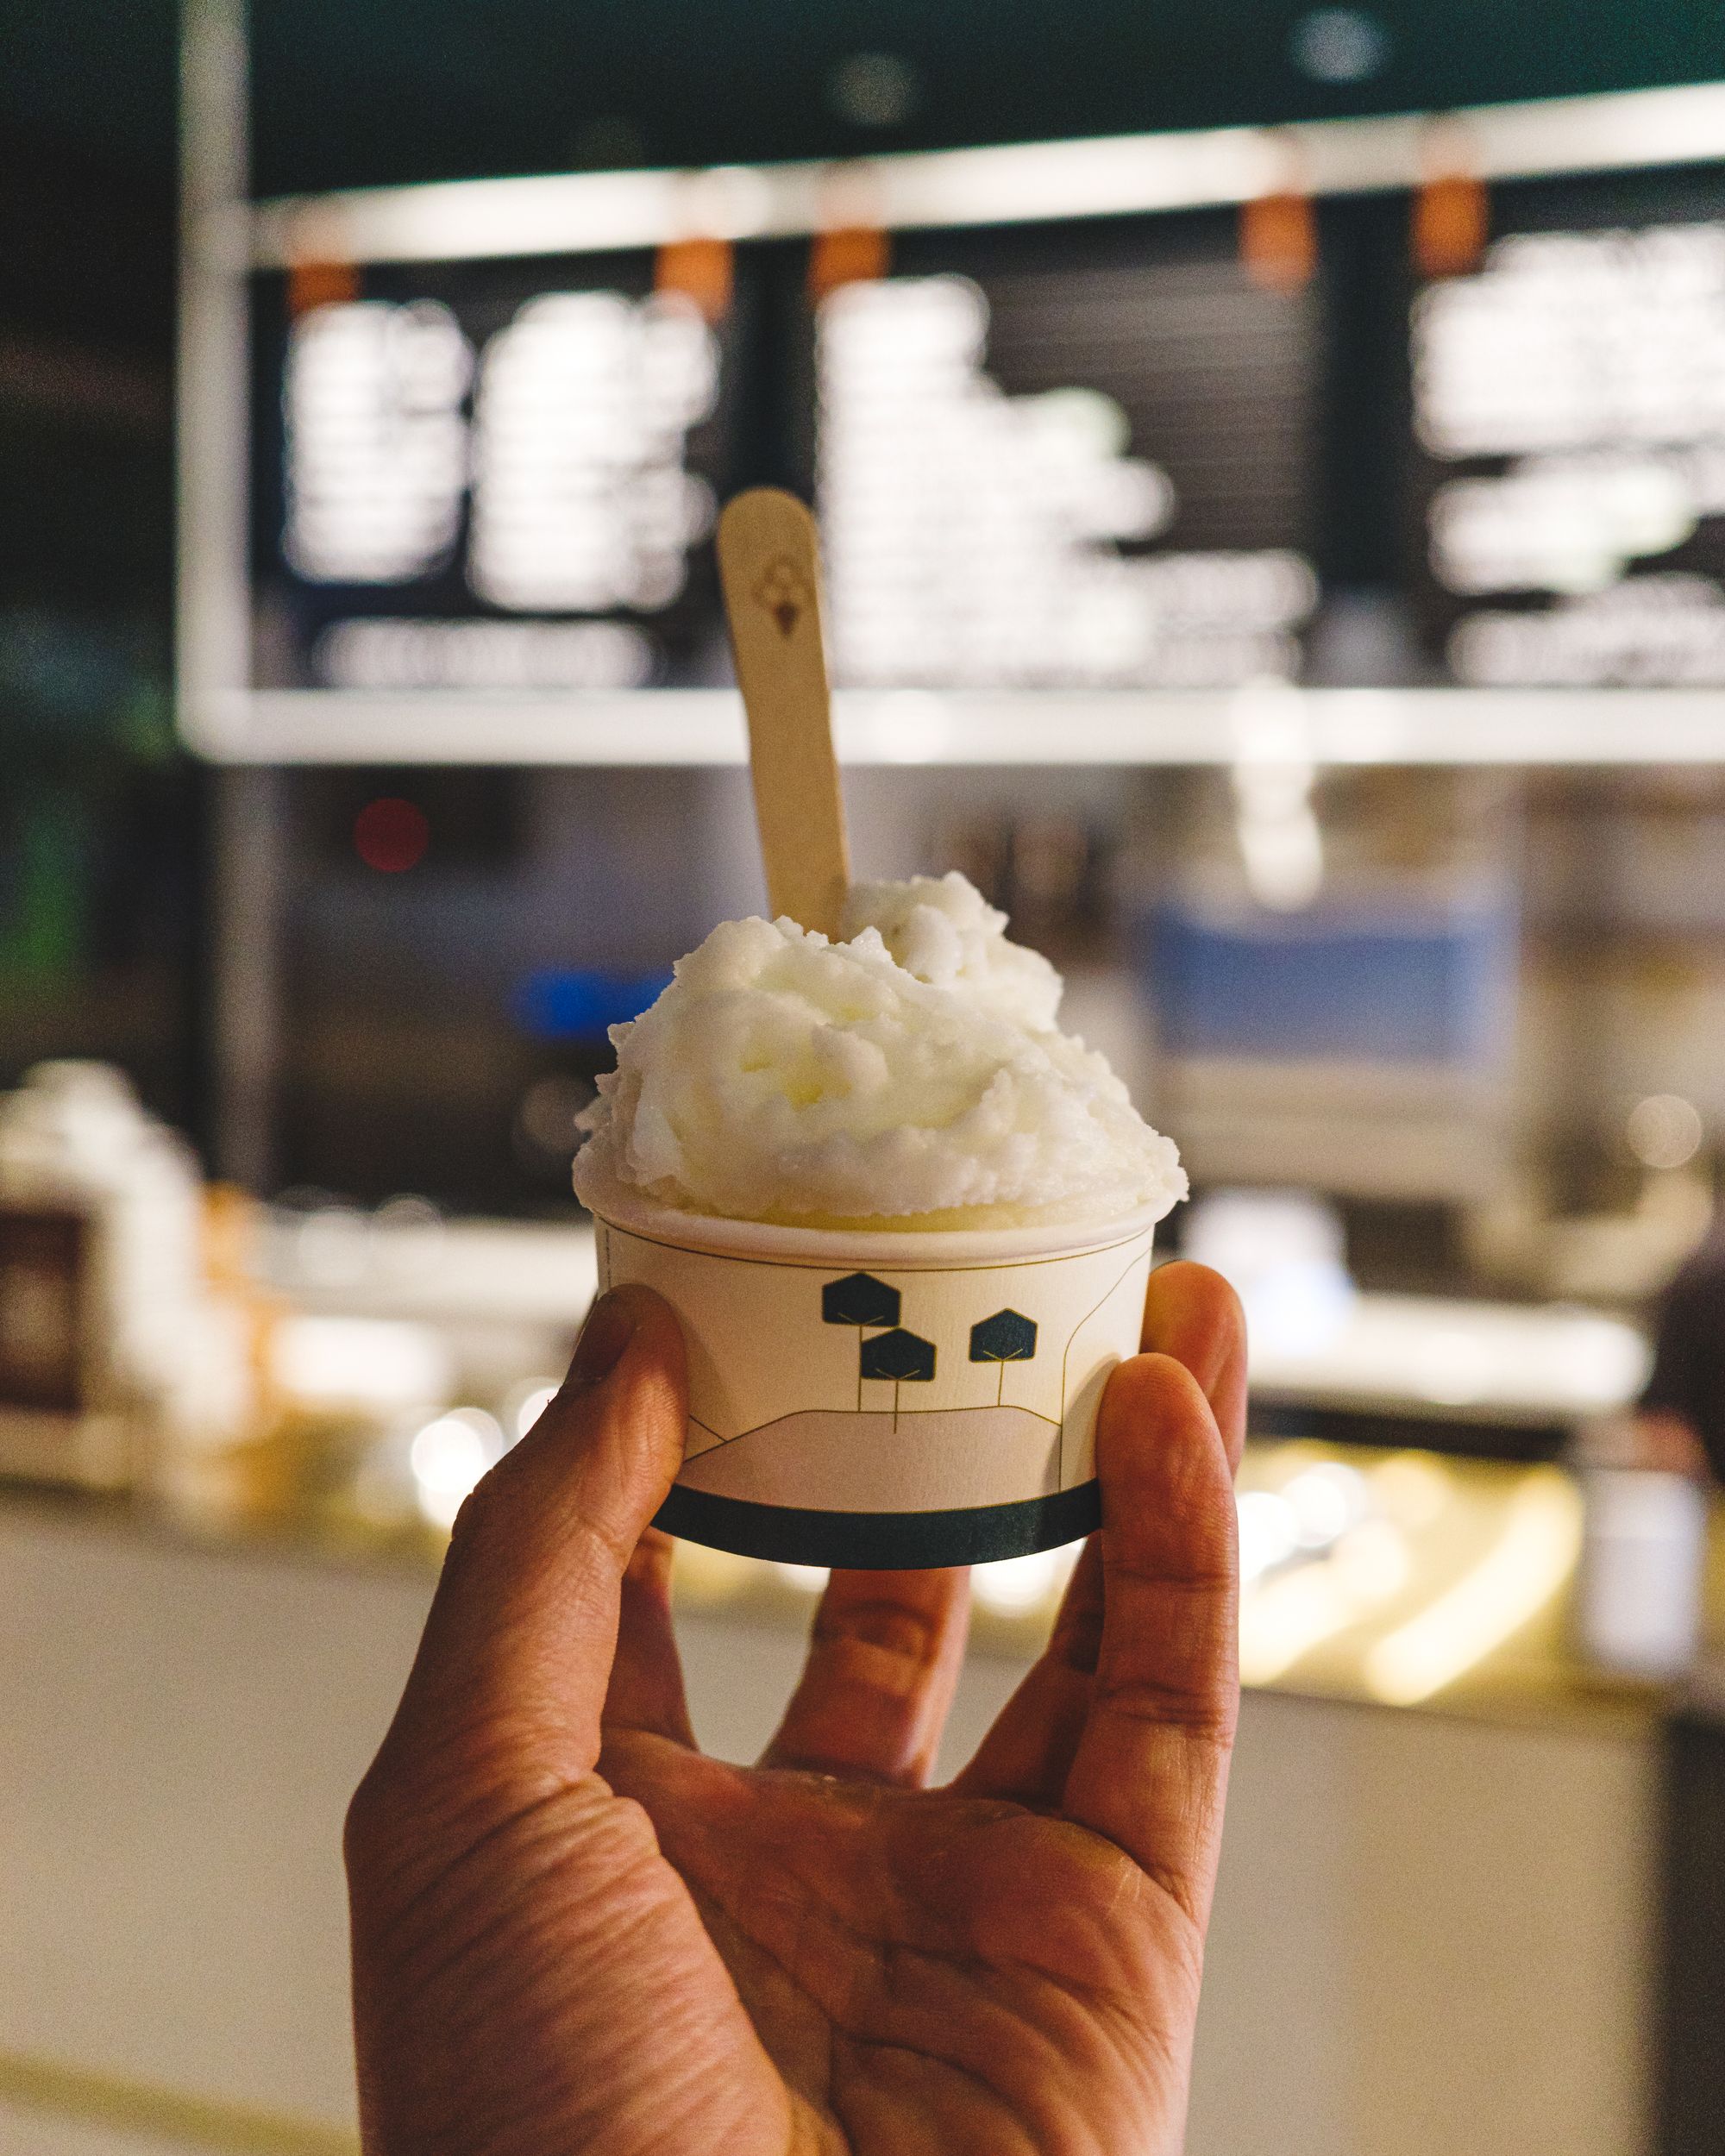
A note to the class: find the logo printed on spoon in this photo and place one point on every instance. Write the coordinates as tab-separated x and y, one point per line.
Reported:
783	589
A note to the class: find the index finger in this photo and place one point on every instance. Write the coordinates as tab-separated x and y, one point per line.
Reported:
1191	1313
1151	1766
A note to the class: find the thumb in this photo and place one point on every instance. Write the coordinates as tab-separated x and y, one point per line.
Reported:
522	1628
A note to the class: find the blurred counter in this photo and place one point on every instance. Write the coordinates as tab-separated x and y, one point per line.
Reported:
409	1351
1420	1355
417	1264
1427	1357
1371	1573
1396	1578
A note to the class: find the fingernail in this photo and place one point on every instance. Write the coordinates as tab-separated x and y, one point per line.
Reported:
608	1331
1167	1313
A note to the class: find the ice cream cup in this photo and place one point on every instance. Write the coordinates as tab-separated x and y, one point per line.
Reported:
890	1399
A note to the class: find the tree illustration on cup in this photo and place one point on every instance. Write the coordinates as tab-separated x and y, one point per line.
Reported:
897	1357
1007	1337
860	1299
900	1358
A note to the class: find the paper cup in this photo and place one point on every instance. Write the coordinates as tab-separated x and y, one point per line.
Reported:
885	1399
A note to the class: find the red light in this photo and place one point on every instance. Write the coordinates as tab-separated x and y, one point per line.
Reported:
391	835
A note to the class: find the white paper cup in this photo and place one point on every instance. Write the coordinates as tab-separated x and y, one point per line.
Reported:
885	1399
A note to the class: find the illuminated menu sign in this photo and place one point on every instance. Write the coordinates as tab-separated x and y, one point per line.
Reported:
1037	464
1570	402
1101	418
486	487
1090	474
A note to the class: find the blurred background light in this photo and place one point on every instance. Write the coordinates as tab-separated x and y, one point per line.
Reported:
1268	1533
1533	1555
333	1243
391	835
1373	1561
1411	1489
1665	1131
1015	1587
448	1458
563	1003
1284	1252
408	1239
1339	45
527	1404
1325	1500
875	90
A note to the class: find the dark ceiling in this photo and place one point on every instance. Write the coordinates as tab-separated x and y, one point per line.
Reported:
352	91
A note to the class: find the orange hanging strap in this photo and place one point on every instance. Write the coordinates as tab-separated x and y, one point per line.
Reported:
1278	240
852	243
1452	217
1278	228
702	268
313	284
847	254
1451	222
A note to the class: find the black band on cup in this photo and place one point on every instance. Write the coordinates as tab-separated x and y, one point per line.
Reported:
882	1541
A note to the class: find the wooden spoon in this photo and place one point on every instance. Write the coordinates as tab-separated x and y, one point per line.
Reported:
770	564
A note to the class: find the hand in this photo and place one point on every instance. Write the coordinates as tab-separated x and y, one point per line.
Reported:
572	1932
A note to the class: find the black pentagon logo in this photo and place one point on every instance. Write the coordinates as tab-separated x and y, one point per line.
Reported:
1007	1337
859	1299
902	1359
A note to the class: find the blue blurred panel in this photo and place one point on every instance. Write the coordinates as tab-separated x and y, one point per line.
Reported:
581	1003
1395	984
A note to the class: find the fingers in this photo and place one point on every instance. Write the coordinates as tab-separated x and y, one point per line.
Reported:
882	1663
646	1689
1029	1748
525	1623
1193	1315
1151	1768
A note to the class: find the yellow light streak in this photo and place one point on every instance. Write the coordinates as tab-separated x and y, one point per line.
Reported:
1286	1619
1527	1564
189	2122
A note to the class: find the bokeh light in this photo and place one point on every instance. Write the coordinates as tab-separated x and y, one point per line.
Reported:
1339	45
1665	1131
390	834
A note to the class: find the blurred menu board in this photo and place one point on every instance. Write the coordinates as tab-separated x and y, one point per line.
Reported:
1569	405
1051	461
488	477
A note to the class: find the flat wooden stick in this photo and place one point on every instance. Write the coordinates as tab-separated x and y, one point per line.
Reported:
770	564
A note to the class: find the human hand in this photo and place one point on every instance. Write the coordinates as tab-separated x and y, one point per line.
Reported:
572	1932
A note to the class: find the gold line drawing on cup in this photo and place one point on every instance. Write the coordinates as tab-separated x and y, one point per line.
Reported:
1066	1356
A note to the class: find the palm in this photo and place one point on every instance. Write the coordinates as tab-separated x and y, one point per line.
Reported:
930	1970
574	1932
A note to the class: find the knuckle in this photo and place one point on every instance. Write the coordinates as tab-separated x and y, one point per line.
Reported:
1077	1642
885	1631
625	1832
1195	1710
890	1628
372	1826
